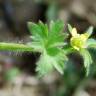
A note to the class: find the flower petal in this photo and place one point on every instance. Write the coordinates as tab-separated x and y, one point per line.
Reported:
74	32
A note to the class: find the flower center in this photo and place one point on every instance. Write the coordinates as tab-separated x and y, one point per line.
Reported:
78	42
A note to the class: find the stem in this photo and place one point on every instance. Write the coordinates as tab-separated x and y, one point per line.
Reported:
15	47
68	50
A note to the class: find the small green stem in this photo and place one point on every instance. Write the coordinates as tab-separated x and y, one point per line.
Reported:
15	47
68	50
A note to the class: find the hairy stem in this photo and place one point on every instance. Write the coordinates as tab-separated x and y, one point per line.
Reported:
15	47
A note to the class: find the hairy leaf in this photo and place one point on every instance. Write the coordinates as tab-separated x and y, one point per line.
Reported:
39	31
49	43
55	33
87	59
44	65
48	62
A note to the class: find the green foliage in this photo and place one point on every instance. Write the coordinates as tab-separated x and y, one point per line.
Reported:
87	59
81	43
50	42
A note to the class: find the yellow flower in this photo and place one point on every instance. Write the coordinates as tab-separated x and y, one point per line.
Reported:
78	41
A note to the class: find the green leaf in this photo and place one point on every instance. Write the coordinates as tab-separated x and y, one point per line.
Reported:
55	41
44	65
44	29
39	30
60	60
91	43
70	28
59	67
48	62
34	29
55	34
89	31
40	34
53	51
56	27
87	59
49	43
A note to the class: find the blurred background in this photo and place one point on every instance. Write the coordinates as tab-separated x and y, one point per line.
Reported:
17	70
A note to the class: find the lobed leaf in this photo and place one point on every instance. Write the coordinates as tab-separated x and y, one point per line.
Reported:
50	61
56	27
44	65
55	33
49	43
39	30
